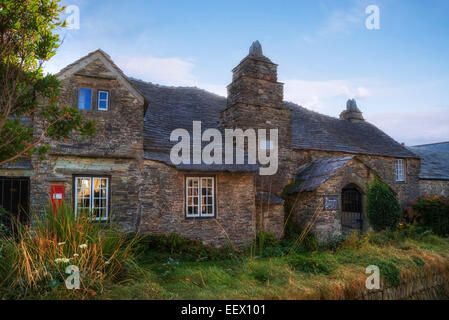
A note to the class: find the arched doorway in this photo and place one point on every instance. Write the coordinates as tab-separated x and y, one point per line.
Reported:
351	209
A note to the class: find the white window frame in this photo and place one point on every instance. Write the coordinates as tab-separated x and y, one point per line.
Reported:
400	170
200	214
91	195
106	100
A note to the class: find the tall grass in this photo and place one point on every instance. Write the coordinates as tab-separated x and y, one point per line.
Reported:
36	257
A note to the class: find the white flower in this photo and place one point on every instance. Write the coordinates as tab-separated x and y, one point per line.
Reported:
83	246
76	255
61	244
58	260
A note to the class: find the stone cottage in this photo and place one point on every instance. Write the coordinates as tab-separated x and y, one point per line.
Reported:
125	173
434	175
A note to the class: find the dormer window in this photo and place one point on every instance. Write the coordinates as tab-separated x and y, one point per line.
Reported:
400	170
103	100
85	99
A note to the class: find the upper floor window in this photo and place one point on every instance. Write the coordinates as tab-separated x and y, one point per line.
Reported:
200	197
400	170
85	99
103	100
92	196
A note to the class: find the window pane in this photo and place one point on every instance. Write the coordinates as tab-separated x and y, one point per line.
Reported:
103	105
100	197
85	99
103	95
82	194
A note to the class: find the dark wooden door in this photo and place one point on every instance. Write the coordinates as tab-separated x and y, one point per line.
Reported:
14	199
351	215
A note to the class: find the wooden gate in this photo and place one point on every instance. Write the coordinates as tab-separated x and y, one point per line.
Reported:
14	198
352	210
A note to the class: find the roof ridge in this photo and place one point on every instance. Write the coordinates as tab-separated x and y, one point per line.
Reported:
430	144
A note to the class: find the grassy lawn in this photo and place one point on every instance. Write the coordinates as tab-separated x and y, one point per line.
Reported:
320	274
114	266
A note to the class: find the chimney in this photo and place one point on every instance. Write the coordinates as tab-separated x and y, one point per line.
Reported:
352	112
254	81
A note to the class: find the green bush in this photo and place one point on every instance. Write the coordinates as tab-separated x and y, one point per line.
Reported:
178	247
433	212
265	240
388	270
315	263
382	206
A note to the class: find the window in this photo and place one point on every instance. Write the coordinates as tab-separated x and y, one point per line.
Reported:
200	197
103	100
85	99
400	170
92	195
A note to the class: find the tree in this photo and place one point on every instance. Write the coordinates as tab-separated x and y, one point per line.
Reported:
382	206
28	38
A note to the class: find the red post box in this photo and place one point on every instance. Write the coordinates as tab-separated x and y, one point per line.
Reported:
57	196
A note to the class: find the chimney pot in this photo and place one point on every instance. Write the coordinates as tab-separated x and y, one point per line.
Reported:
352	112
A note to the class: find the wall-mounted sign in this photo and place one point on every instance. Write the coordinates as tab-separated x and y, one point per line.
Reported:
331	202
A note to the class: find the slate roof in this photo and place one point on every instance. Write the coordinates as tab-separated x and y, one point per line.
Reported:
437	147
312	175
434	163
171	108
315	131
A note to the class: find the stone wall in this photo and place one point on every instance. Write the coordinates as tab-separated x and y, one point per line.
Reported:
125	181
430	187
115	150
270	218
163	206
384	166
327	223
429	284
119	129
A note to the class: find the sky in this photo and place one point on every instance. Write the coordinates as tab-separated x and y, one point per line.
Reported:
398	73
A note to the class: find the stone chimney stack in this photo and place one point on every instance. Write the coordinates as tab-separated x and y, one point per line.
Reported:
255	101
352	112
254	81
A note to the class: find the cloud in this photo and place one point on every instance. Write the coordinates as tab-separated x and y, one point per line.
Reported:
413	127
166	71
341	22
322	95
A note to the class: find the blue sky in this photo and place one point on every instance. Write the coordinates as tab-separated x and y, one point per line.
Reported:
399	74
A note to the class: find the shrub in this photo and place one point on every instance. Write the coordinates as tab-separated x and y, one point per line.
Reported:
389	271
383	209
34	261
433	212
314	263
265	240
182	248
